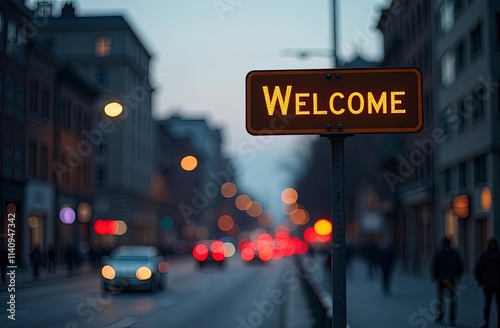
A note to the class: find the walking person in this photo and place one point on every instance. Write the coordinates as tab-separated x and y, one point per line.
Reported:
386	259
36	260
487	274
52	259
447	268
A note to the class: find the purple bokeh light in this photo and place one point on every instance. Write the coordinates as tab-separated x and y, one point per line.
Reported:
67	215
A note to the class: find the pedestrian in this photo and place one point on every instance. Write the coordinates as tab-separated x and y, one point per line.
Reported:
386	258
52	258
487	274
447	268
36	260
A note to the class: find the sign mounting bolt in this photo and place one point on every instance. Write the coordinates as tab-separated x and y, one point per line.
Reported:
328	126
340	126
338	75
328	76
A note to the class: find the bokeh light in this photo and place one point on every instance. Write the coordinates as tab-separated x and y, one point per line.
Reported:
323	227
122	227
299	216
225	223
202	233
67	215
243	202
113	109
289	196
166	223
189	163
486	199
84	211
254	209
228	189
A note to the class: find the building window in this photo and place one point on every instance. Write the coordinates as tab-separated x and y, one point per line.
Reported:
34	97
459	57
102	76
462	176
8	151
20	101
498	27
475	42
18	158
1	92
446	16
100	176
461	117
45	103
11	38
2	31
447	181
32	159
448	68
44	163
21	45
479	104
480	169
103	46
103	146
9	97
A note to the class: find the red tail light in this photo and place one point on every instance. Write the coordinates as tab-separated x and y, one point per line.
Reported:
200	252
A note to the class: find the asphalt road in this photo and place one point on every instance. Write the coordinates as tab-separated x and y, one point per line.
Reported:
239	295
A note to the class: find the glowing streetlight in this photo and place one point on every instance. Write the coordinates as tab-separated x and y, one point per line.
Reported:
113	109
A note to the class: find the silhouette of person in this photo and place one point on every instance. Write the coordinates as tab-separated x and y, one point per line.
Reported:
70	258
36	260
386	257
447	268
52	259
487	274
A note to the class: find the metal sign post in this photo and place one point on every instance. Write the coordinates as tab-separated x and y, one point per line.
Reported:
339	318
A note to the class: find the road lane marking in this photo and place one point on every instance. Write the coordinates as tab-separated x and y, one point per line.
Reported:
167	301
124	323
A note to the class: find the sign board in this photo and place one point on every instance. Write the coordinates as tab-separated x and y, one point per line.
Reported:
280	102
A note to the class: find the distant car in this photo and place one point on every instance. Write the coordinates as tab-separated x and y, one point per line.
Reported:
134	267
209	251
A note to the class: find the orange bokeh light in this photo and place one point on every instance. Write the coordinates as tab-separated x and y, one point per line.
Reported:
289	196
228	189
243	202
225	223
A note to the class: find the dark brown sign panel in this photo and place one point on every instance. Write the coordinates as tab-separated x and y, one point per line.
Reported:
334	101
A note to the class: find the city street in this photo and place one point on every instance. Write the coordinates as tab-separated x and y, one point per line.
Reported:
238	295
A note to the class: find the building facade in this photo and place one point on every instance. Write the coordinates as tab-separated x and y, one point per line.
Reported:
107	51
466	51
406	27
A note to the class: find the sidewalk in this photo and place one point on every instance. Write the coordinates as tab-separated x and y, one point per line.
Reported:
411	303
24	275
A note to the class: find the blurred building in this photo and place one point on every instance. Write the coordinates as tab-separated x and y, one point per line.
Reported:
200	207
106	50
13	18
407	159
466	44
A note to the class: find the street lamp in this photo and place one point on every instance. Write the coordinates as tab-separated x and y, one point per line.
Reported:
113	109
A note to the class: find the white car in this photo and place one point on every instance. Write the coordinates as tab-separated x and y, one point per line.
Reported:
134	267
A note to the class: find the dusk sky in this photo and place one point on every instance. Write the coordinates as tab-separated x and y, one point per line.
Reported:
202	51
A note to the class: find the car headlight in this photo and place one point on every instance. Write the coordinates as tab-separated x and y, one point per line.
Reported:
108	272
143	273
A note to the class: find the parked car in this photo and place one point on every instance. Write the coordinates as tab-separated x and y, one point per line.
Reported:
209	251
134	267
